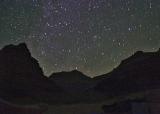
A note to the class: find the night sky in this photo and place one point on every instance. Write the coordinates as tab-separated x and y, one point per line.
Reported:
92	36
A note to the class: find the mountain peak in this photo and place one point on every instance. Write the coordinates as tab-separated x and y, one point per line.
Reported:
17	59
73	81
16	49
74	74
139	56
21	45
21	75
139	72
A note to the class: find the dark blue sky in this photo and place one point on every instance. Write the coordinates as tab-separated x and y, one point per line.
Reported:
92	36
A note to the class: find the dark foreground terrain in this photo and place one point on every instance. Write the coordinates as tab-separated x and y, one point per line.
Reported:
22	82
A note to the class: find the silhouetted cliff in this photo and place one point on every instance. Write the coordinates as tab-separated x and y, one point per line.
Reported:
21	76
139	72
73	82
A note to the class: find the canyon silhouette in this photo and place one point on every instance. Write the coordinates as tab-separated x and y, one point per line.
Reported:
23	82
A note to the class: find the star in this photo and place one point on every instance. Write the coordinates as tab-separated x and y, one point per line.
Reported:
92	36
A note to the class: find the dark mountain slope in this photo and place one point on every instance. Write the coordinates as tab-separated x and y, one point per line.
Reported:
73	82
79	86
21	76
139	72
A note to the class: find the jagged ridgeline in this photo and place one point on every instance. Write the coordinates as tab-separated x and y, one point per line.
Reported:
140	72
22	79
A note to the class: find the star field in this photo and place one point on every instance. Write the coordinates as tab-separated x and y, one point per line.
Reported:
92	36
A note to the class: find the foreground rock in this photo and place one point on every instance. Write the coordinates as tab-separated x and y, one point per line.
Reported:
22	78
